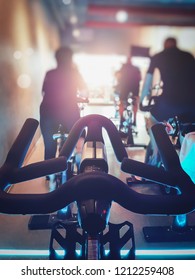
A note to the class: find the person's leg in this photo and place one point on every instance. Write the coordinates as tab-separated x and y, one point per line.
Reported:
47	130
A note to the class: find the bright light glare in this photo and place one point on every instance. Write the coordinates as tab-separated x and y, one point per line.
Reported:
66	2
121	16
140	62
24	81
17	55
29	51
98	70
73	19
76	33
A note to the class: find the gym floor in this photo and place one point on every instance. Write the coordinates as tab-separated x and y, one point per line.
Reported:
18	242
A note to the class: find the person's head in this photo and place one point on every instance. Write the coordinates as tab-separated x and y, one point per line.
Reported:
63	56
170	42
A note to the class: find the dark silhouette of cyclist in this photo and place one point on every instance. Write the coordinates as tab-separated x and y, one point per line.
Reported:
128	82
59	104
177	73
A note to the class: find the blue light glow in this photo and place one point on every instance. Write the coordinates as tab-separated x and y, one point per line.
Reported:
181	220
64	210
166	252
138	253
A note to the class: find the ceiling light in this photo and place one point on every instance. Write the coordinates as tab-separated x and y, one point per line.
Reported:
121	16
73	19
66	2
76	33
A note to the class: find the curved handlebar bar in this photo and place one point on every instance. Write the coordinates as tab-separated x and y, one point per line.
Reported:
172	174
95	185
94	123
12	172
20	146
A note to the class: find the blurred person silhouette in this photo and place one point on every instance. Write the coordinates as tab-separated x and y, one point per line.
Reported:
177	73
59	104
128	83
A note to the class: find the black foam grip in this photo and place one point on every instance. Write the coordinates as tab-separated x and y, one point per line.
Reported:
21	144
38	169
174	178
148	172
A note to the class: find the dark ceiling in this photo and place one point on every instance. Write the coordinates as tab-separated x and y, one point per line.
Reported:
102	14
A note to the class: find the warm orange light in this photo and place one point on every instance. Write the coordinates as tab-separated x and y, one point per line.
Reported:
98	70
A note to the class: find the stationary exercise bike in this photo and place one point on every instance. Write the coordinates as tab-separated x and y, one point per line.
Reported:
127	129
93	190
181	130
169	161
58	179
60	137
93	214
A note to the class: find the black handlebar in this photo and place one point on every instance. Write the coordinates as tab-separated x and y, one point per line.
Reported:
172	174
95	185
94	124
38	169
20	146
12	172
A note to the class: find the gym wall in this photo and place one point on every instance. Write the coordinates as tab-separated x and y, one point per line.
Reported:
28	39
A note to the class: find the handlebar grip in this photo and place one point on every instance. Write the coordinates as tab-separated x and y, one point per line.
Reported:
148	172
170	158
167	152
21	144
38	169
173	178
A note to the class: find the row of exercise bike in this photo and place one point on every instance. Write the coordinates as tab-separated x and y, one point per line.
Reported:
93	190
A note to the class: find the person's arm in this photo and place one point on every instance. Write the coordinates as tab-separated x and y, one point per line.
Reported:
146	89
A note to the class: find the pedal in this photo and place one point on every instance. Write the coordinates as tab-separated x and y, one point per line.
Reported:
65	242
119	237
